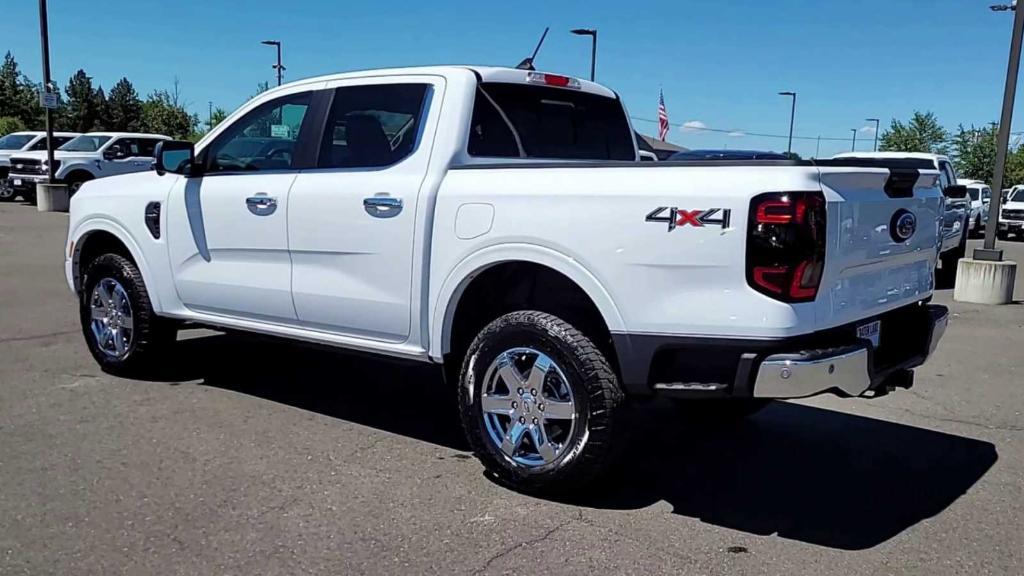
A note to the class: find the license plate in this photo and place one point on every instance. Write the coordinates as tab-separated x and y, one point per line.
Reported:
871	332
17	181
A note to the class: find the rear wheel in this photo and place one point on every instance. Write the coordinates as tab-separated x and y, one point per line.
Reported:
951	260
540	404
121	330
7	193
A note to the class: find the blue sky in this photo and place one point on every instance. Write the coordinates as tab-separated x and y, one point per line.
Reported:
719	62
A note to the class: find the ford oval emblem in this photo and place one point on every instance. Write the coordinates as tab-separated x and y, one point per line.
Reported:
902	226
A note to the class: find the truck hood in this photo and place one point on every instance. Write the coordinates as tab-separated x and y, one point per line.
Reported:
1013	206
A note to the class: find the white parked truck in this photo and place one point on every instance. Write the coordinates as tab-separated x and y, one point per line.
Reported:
956	212
87	157
18	142
499	222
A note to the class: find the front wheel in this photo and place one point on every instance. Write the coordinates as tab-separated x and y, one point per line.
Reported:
7	193
121	330
540	404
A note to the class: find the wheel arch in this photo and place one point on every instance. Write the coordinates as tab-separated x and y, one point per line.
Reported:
67	172
536	259
99	236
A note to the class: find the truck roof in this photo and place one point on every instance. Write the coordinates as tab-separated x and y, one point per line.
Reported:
43	133
914	155
485	73
121	134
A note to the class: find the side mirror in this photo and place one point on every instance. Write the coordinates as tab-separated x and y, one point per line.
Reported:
1005	199
176	156
113	153
955	191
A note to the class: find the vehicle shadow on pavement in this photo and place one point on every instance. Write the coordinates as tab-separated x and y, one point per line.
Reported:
808	474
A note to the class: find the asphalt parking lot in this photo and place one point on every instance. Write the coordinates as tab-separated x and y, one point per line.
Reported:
256	457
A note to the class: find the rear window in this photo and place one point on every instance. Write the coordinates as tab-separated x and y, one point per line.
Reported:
523	121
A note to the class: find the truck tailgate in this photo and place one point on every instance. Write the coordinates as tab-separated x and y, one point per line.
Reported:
883	238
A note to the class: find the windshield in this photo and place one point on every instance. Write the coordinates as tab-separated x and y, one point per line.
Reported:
15	141
1017	195
85	143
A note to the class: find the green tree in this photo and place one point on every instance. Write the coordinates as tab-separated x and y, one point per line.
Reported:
18	96
124	108
85	104
922	133
162	114
974	151
10	124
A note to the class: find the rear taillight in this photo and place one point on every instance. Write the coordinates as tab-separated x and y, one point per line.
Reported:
786	245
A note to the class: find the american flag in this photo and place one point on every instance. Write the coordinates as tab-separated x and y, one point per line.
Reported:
662	117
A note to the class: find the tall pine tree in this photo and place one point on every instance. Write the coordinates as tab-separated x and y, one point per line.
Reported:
124	108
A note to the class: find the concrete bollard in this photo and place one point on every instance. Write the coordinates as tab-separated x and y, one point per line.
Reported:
984	282
52	197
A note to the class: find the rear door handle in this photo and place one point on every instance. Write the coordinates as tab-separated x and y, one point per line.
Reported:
382	206
261	204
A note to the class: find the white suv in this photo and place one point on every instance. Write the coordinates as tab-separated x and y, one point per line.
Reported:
981	196
87	157
16	142
1011	214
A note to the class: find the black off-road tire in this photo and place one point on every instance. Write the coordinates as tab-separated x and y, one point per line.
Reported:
950	261
1003	234
721	412
75	181
152	336
599	429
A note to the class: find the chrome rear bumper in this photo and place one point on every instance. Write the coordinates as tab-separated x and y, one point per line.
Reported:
848	371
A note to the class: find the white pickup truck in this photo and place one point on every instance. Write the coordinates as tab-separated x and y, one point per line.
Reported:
499	222
17	143
84	158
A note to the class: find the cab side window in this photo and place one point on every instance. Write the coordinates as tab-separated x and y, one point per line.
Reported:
372	126
946	176
263	139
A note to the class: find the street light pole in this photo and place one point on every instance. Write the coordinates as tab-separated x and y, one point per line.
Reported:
853	148
592	32
792	115
44	39
877	124
279	67
989	252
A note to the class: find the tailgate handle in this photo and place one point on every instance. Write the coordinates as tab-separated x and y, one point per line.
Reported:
901	182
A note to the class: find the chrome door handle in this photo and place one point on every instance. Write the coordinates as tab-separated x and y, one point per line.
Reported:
382	206
261	204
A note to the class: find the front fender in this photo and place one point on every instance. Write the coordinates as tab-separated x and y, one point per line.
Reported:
455	283
77	166
101	223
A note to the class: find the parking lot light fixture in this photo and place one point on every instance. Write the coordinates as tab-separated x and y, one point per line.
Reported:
792	115
989	251
279	67
877	124
592	32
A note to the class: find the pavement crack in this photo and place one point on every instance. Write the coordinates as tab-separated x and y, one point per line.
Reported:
525	543
38	336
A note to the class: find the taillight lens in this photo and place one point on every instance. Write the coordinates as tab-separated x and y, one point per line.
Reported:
786	245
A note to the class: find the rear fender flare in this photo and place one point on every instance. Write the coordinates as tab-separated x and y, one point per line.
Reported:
447	300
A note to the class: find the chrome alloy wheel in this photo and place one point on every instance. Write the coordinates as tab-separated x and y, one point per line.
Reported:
528	407
111	318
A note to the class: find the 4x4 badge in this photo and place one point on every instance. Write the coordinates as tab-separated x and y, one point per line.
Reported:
676	217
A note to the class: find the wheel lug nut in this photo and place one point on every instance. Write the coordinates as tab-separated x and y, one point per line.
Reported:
514	405
535	421
540	407
522	420
520	391
533	391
